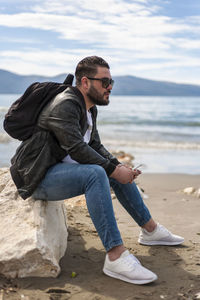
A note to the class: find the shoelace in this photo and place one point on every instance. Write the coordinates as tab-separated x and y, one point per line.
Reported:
130	260
163	229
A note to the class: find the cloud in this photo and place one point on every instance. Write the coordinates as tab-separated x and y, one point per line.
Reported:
23	41
35	61
134	35
188	43
124	30
82	7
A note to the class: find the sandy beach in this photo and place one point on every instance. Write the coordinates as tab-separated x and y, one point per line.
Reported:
178	267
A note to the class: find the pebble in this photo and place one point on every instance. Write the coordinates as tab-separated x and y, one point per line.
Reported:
24	297
1	294
197	193
197	296
189	190
73	275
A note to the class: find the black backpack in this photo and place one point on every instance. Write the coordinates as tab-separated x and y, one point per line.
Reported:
21	119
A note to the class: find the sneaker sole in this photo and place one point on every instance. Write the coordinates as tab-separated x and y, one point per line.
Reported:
121	277
153	243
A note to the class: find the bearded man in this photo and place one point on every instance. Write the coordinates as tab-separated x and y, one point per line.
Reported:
65	158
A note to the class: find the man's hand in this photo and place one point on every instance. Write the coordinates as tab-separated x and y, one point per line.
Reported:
124	174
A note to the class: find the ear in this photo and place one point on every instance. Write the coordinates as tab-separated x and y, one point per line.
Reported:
85	83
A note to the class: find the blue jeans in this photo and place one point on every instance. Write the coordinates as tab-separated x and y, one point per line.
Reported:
64	181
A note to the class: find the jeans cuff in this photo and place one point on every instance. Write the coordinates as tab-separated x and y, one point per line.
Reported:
113	244
145	220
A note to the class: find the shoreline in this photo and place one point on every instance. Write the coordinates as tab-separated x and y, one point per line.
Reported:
155	160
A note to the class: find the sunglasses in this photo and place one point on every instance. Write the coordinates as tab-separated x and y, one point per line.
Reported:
105	81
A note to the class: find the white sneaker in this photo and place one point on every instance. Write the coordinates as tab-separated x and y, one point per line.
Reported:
160	236
129	269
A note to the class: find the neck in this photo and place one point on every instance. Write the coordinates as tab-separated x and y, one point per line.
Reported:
88	102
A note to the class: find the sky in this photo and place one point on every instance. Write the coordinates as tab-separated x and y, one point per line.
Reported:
153	39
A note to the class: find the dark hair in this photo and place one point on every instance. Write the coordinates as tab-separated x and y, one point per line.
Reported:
88	67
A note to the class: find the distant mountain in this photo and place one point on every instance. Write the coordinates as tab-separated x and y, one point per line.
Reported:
131	85
11	83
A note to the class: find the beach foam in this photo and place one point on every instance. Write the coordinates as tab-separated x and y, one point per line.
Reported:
4	138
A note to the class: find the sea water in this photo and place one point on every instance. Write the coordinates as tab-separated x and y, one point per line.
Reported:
162	133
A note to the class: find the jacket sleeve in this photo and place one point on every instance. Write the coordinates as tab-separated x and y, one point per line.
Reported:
96	144
64	121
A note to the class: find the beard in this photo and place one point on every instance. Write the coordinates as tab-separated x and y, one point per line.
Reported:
98	98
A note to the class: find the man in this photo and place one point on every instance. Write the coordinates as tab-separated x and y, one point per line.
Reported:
71	161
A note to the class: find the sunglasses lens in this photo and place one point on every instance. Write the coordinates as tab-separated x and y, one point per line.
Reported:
106	82
112	82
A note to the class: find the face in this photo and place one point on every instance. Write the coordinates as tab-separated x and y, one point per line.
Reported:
97	93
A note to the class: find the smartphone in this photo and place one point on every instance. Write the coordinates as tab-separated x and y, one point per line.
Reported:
138	166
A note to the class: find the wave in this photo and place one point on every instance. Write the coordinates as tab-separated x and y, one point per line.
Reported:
152	144
3	108
4	138
124	121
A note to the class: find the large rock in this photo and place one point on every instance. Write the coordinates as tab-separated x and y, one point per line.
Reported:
33	233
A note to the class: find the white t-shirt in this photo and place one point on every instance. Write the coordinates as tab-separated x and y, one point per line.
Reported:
86	138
